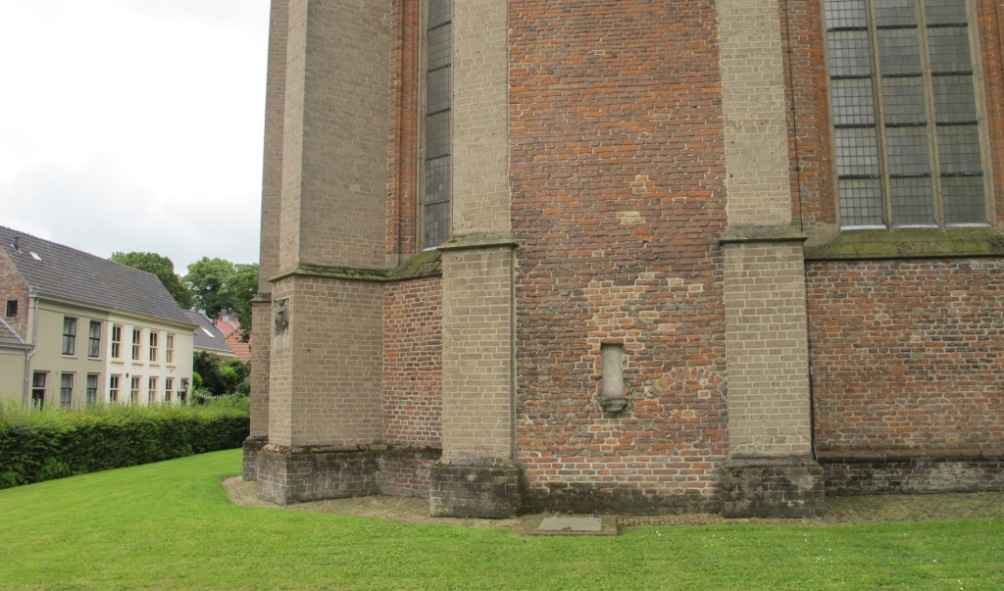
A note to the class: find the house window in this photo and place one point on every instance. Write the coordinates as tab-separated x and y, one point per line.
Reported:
11	309
904	111
69	336
153	346
168	387
38	380
151	391
66	390
92	389
137	343
94	340
437	144
169	350
113	388
116	341
134	390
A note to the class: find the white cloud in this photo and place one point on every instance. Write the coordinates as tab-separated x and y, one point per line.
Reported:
134	124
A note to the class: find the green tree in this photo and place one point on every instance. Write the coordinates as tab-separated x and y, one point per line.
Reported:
218	284
220	377
244	286
209	280
163	268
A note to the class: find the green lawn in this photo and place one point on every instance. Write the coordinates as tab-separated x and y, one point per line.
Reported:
171	526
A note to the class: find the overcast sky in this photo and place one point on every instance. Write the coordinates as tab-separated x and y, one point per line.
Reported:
134	125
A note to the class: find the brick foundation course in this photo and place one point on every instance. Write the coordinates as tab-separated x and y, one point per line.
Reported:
783	487
868	474
297	475
475	490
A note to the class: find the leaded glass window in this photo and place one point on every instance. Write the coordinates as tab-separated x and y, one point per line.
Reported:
436	192
903	98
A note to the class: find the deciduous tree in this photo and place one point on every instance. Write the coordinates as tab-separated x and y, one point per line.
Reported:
218	284
163	268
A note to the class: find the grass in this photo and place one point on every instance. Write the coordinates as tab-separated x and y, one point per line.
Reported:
170	526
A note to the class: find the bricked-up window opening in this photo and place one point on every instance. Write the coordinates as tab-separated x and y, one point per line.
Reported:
437	146
38	380
116	342
92	389
11	311
113	388
904	110
66	390
94	339
69	336
137	343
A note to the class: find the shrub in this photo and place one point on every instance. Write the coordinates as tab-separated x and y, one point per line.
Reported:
42	445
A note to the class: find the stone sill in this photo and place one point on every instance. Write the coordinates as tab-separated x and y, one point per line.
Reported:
909	243
423	264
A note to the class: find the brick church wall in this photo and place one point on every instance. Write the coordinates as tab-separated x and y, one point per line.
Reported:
908	354
617	177
809	138
412	382
906	395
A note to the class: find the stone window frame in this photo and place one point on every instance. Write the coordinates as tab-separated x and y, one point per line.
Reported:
38	388
151	389
116	342
169	349
66	389
94	339
154	347
137	344
881	135
432	112
69	336
93	380
114	385
134	385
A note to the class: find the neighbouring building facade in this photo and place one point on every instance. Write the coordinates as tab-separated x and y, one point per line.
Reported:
209	337
633	256
85	330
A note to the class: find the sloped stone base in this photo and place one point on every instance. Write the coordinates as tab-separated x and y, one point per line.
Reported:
475	490
769	487
252	447
295	475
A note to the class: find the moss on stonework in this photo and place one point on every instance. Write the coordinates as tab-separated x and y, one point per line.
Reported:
910	243
738	234
423	264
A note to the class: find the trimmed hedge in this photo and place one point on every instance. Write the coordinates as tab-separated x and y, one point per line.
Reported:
37	446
